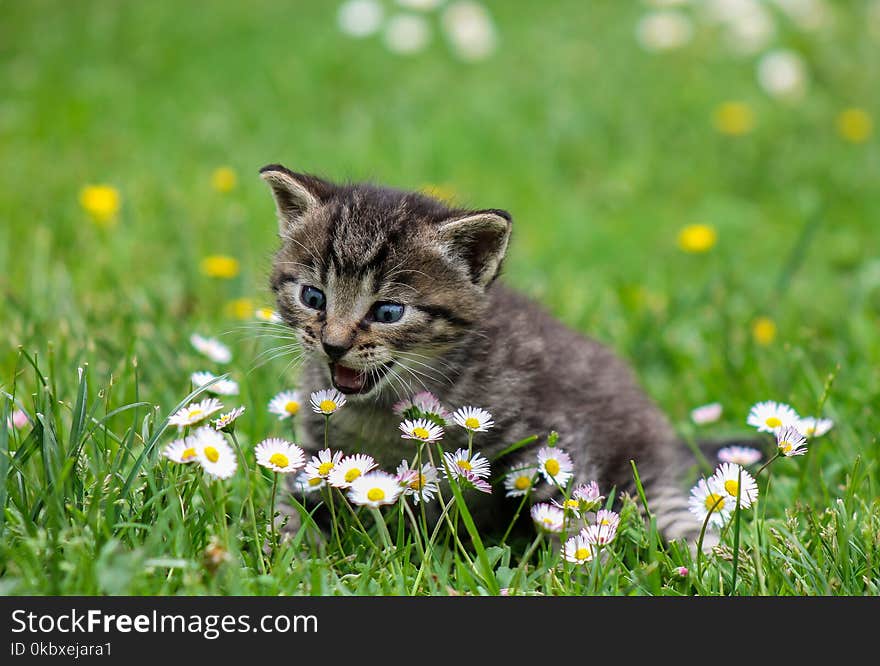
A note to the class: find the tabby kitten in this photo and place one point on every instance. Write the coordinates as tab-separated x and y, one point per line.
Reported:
391	293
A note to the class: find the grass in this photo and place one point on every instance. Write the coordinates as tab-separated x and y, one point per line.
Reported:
601	151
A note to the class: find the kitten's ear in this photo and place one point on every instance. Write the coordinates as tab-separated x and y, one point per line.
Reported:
295	194
479	240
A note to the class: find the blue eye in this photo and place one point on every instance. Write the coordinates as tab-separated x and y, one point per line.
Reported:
313	298
387	313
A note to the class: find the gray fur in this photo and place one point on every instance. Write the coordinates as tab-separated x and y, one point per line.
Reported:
465	337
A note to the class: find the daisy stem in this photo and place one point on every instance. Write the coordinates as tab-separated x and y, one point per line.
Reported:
519	509
273	538
700	540
421	497
767	464
736	520
429	548
250	502
358	521
524	561
470	443
333	517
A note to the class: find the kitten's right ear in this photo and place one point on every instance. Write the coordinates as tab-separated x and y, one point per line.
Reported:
295	194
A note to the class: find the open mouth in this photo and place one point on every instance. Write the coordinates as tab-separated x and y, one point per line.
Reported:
352	381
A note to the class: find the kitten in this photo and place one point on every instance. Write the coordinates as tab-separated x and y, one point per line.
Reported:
391	293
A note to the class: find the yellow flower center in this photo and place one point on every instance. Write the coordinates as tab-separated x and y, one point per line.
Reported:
464	464
279	460
714	502
324	468
472	422
582	554
604	521
220	266
552	466
352	474
855	125
101	202
327	406
572	504
188	454
764	330
548	521
773	422
734	118
240	308
697	238
291	407
265	313
375	494
731	487
196	413
419	483
212	454
223	179
810	430
316	481
421	433
522	483
785	446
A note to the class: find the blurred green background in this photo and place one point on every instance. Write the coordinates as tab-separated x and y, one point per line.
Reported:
601	126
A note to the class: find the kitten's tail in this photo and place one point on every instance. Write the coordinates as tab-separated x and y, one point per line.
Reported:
668	493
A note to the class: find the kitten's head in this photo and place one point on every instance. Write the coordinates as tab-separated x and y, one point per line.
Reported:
378	282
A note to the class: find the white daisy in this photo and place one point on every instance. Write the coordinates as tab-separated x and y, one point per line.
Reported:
600	534
421	405
195	412
783	74
211	347
609	520
267	314
279	455
350	468
374	489
518	481
473	419
570	505
181	451
304	484
421	486
791	442
732	477
555	464
406	34
588	496
468	479
322	464
459	463
548	517
469	29
810	426
421	430
215	455
664	30
360	18
578	550
286	404
326	401
707	413
225	421
707	498
739	455
219	387
768	416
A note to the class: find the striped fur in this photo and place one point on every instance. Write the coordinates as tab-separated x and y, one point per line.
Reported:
464	337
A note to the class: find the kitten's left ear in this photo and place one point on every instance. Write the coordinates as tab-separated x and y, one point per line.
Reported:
295	194
479	240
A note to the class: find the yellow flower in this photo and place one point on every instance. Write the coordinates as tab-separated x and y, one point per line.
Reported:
224	179
764	330
101	202
442	192
220	266
240	308
697	238
733	118
855	125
